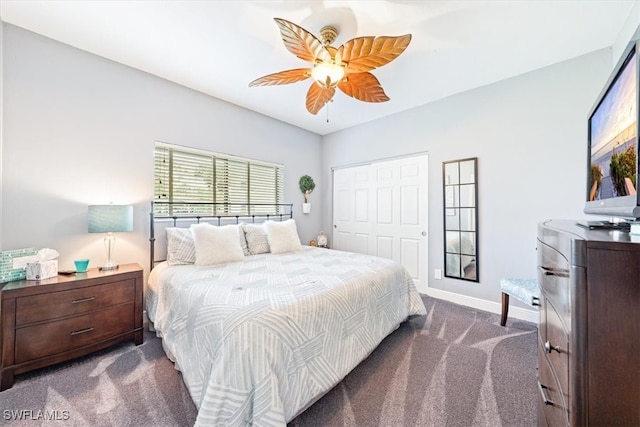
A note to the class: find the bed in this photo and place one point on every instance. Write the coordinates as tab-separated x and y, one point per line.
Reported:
260	338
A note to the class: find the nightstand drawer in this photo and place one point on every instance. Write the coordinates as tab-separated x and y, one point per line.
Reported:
33	342
55	305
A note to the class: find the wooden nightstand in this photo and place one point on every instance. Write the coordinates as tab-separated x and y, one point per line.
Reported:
49	321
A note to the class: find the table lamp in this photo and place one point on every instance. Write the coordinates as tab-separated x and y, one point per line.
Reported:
110	219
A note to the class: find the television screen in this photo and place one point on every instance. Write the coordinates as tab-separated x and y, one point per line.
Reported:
613	144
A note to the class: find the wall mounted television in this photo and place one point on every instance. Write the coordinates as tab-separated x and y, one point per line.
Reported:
612	168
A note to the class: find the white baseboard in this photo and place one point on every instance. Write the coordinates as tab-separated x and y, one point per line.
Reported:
481	304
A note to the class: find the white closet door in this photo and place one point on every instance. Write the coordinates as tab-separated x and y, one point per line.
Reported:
381	209
351	209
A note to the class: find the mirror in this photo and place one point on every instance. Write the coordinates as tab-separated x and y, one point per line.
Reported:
460	189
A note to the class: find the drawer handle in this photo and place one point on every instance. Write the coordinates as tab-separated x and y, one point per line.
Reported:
545	399
535	301
553	272
81	331
78	301
549	348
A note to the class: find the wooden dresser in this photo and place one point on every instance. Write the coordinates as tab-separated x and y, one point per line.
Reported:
53	320
589	332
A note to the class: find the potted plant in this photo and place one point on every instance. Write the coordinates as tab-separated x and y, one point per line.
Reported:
306	186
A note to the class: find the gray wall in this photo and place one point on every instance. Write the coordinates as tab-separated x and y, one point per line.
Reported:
79	129
529	134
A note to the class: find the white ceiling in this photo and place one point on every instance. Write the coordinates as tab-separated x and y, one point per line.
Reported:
218	47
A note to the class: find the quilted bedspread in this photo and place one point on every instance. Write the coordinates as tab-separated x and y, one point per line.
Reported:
258	341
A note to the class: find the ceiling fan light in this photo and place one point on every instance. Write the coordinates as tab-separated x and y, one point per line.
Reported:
327	74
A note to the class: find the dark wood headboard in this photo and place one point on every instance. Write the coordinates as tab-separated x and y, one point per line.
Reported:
183	214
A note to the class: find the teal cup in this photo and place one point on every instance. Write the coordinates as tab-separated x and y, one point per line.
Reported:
81	265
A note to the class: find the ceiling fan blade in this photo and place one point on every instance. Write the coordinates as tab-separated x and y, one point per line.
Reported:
317	97
283	77
366	53
363	86
301	42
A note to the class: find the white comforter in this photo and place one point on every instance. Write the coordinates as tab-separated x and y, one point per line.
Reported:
258	341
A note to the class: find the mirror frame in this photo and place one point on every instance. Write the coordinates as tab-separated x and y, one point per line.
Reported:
460	237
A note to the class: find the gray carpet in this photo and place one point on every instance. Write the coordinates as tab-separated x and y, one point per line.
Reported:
455	367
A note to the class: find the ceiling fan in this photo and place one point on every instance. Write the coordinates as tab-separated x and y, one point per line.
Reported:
346	67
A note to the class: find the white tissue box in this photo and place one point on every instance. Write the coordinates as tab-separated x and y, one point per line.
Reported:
42	269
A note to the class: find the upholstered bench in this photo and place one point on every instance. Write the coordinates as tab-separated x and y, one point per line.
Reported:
525	290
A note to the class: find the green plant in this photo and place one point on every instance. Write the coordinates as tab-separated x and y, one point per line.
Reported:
306	186
623	165
595	182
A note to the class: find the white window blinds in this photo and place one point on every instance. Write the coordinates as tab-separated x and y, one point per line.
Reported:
187	178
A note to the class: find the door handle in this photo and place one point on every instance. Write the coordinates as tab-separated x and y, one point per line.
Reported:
424	233
548	347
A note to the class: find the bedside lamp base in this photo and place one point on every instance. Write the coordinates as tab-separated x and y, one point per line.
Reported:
109	244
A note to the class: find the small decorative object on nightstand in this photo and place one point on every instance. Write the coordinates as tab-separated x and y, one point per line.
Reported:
45	266
50	321
81	265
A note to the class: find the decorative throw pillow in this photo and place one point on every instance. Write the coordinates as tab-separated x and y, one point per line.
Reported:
181	248
243	239
282	236
216	245
256	236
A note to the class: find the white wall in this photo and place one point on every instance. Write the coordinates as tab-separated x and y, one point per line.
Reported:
80	130
529	134
629	31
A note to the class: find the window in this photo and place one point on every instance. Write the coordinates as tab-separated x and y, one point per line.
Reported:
188	178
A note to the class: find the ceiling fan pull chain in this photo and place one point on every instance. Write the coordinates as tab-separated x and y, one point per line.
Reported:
328	112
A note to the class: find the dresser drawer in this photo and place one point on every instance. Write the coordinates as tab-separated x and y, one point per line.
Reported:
55	305
554	274
556	346
552	403
33	342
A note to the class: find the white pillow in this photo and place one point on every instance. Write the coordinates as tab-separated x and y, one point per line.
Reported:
243	239
180	246
181	249
283	236
216	245
256	236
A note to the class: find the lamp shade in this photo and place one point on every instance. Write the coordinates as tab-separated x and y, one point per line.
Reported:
110	218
